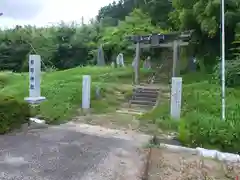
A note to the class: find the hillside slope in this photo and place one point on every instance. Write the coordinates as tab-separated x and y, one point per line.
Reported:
63	90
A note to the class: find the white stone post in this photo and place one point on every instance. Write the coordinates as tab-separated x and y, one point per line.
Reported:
86	92
34	80
176	97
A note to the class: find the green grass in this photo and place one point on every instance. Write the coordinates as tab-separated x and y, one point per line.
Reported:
201	123
63	90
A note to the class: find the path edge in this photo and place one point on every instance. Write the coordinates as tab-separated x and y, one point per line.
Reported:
213	154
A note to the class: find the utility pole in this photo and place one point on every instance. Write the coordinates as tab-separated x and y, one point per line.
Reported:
223	60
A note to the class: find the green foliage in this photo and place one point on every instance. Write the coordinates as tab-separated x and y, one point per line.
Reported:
199	129
62	46
66	46
63	90
232	72
157	9
13	113
203	16
201	123
137	23
232	67
236	50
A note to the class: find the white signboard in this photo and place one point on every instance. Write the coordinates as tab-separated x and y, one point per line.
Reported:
86	91
176	97
34	79
34	75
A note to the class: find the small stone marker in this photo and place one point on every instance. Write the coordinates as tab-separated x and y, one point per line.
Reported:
100	57
113	64
176	97
120	60
147	63
34	80
193	64
86	92
98	92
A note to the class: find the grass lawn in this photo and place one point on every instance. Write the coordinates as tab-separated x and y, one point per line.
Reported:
63	90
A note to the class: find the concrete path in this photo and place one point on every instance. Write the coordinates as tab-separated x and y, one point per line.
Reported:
72	152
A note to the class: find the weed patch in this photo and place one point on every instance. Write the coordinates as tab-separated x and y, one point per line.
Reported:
201	124
63	90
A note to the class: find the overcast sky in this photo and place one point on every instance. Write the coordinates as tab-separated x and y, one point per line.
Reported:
42	12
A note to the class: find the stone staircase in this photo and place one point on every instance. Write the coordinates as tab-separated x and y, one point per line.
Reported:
153	91
144	96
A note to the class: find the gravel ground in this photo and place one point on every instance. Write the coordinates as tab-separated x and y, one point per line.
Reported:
72	152
169	165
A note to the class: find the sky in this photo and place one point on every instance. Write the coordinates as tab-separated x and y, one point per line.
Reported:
46	12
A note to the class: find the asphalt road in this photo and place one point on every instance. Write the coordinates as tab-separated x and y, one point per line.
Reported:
69	152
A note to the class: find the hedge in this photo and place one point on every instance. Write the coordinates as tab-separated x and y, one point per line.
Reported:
13	113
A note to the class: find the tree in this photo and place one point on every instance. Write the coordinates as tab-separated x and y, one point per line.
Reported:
204	17
157	9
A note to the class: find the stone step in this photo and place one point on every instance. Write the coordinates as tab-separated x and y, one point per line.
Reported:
139	102
140	98
144	94
136	107
123	111
147	88
161	79
145	91
162	82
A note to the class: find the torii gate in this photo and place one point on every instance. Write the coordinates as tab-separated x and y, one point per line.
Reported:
171	40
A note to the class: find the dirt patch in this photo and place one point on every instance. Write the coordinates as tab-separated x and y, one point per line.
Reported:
111	120
167	165
120	121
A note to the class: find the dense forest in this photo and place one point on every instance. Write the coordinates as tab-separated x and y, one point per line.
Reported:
66	46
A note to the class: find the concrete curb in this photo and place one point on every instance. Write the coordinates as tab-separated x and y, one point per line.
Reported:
213	154
38	121
34	124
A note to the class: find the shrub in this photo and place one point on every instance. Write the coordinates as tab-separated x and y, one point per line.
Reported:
232	72
204	130
13	113
3	79
201	124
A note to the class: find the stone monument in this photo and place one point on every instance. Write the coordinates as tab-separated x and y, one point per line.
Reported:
100	57
34	80
86	92
147	63
113	64
192	64
176	97
98	92
120	60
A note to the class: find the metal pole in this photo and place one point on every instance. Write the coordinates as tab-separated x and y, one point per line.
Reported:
223	60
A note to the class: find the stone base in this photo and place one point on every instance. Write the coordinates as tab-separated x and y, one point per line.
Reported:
86	111
35	100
